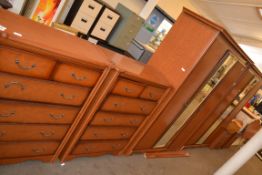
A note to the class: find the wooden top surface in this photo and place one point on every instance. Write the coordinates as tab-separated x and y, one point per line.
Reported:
47	39
225	34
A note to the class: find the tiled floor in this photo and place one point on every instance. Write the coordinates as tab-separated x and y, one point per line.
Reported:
202	162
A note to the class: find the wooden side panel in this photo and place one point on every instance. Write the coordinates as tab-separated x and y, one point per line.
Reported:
183	48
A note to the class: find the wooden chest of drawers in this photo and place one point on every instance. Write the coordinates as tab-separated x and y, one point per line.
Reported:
117	119
40	99
71	98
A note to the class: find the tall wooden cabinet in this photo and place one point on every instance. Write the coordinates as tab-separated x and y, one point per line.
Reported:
62	97
209	72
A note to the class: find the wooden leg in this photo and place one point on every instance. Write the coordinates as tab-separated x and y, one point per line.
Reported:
166	154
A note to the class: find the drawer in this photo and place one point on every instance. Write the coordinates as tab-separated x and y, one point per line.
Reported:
128	88
83	22
22	88
27	149
90	7
19	112
76	75
109	17
115	119
99	146
25	63
152	93
107	133
128	105
101	30
23	132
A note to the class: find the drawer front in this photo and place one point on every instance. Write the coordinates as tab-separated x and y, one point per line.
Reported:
107	133
115	119
22	132
76	75
152	93
25	63
15	87
99	146
101	30
27	149
128	105
19	112
90	7
83	22
109	17
127	88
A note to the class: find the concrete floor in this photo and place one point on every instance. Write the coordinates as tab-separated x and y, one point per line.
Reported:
202	162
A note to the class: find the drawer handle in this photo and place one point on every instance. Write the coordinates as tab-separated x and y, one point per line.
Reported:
108	120
47	134
113	147
109	17
95	135
128	90
56	116
2	133
10	114
133	122
37	150
124	135
142	109
84	20
116	105
87	149
91	7
67	97
17	62
102	29
150	94
78	78
8	85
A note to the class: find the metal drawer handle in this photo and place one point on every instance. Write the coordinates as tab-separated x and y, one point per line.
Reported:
2	133
108	120
47	133
102	29
17	62
91	7
84	20
95	135
56	116
142	109
67	97
109	17
8	85
133	121
127	90
37	150
116	105
10	114
113	147
78	78
123	135
150	94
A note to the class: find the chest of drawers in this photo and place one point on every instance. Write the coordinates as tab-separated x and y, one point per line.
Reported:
71	98
117	118
40	99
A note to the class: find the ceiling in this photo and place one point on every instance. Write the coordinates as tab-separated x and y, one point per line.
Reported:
241	19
